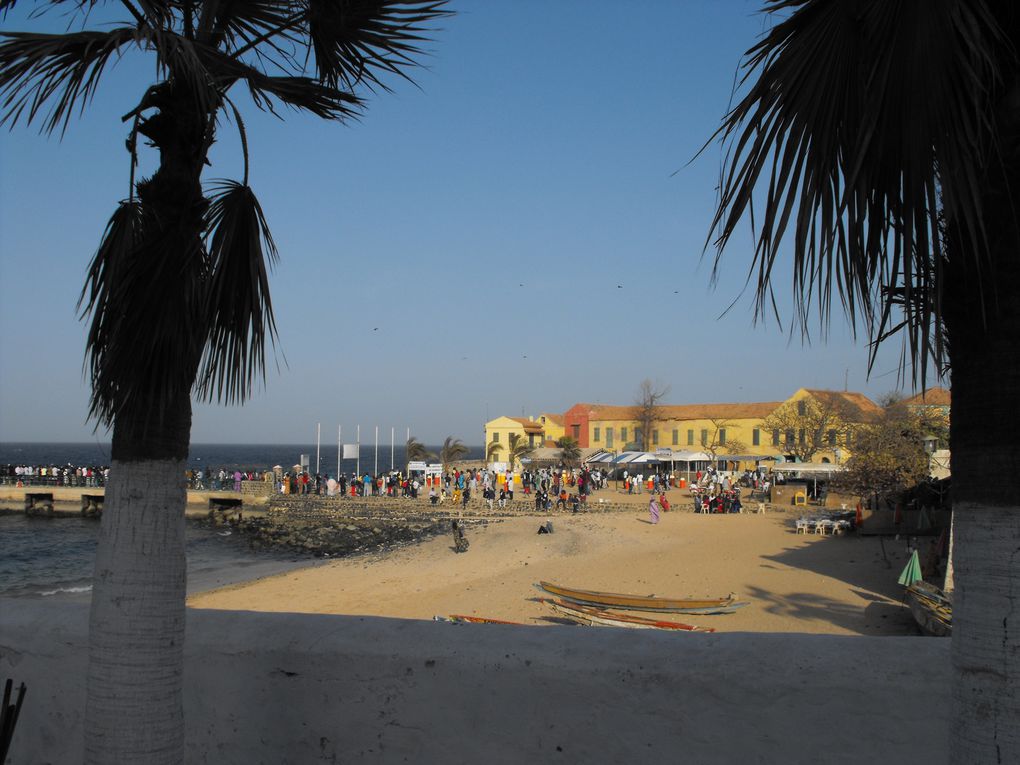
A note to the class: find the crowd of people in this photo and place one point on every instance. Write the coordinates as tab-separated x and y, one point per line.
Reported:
55	475
494	488
548	487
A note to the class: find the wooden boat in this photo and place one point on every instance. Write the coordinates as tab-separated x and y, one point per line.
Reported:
641	602
592	616
464	619
931	609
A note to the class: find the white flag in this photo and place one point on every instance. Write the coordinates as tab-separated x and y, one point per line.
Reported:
350	451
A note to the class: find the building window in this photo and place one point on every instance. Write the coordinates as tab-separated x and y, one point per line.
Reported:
639	438
655	438
802	408
801	436
690	438
597	434
756	437
722	436
495	437
775	437
704	437
576	430
609	438
789	438
831	435
676	437
623	436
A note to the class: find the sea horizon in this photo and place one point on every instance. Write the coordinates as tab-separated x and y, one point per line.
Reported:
244	456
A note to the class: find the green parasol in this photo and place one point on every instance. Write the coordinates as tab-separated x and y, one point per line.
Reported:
912	571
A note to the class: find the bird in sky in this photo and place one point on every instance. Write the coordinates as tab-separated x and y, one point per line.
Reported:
619	286
375	329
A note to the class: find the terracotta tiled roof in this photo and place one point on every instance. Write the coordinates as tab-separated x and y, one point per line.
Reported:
530	426
931	397
859	407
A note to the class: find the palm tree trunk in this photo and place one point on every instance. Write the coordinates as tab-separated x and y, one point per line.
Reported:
985	358
136	625
134	707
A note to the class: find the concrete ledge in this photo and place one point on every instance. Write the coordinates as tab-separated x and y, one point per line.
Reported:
285	688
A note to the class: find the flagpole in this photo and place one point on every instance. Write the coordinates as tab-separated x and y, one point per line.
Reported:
318	441
392	442
376	472
359	452
339	448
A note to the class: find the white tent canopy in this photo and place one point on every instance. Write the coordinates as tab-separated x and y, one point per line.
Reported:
813	469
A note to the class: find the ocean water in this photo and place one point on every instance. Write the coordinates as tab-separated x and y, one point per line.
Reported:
216	456
54	557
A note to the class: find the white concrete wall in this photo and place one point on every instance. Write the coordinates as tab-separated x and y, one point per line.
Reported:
280	688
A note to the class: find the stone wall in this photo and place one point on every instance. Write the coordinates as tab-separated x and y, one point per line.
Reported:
310	507
302	688
257	488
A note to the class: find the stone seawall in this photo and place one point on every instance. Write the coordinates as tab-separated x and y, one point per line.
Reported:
310	507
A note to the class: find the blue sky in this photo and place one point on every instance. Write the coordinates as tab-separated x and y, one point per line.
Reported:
545	145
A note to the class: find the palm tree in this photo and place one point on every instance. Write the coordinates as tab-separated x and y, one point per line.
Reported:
451	451
896	182
517	448
570	452
492	451
178	291
416	451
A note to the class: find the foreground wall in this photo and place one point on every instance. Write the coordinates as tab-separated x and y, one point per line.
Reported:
283	688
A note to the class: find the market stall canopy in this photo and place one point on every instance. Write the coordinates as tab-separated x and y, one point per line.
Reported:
601	457
635	458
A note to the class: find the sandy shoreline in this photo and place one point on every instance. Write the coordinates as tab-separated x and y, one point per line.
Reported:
795	583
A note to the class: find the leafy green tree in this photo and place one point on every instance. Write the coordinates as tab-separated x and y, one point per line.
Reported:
891	186
888	456
178	290
451	451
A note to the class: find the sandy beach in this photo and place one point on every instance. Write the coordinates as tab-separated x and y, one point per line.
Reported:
794	583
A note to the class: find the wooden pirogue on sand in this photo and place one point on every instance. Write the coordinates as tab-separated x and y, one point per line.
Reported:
641	602
931	609
591	616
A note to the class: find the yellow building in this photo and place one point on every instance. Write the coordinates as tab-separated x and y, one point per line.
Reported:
553	426
810	426
498	431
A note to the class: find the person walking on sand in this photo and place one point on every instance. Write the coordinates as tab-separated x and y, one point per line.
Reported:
653	509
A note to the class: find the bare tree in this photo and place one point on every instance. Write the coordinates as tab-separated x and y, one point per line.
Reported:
648	404
809	425
717	439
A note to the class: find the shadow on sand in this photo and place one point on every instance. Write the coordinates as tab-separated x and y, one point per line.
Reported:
862	563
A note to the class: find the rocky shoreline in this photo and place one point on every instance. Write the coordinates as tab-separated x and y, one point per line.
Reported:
335	537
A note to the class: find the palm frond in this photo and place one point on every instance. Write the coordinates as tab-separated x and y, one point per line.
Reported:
241	22
59	71
861	121
354	42
452	450
302	93
239	311
144	338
